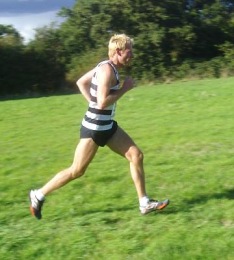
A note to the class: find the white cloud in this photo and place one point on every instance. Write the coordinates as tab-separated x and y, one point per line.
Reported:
26	24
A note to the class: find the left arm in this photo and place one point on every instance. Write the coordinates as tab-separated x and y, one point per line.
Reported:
105	78
84	83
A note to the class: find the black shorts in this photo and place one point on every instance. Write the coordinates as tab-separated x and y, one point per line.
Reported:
99	137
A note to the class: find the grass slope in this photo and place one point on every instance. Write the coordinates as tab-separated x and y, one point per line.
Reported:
186	133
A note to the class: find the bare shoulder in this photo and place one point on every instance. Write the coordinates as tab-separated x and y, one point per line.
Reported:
105	68
105	71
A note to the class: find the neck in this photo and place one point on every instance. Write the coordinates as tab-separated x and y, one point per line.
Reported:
115	63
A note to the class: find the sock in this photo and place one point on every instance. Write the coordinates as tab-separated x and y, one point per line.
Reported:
143	201
40	196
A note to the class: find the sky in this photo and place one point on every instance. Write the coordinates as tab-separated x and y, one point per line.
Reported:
27	15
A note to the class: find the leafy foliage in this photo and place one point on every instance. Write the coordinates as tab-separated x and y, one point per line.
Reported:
168	35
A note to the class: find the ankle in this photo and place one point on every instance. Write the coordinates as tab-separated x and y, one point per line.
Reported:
40	196
143	201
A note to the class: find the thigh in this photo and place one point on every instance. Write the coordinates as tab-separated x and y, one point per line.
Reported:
85	151
121	142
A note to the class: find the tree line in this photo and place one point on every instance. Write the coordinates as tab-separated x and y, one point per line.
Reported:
173	39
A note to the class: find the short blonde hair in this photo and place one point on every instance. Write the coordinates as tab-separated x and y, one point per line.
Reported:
119	41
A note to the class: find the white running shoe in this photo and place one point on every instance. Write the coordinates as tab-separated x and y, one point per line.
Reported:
154	205
35	205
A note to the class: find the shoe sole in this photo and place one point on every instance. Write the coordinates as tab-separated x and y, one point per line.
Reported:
164	205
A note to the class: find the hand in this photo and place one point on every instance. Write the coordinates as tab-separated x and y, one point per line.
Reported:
129	83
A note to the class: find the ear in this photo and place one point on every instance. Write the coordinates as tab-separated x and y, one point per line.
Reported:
118	51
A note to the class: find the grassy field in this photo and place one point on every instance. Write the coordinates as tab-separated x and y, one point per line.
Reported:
186	131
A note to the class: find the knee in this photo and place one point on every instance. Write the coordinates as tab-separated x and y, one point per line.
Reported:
136	155
76	172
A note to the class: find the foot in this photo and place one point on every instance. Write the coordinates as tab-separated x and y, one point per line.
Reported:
36	205
154	205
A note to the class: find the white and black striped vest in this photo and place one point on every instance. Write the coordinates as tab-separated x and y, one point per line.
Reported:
95	118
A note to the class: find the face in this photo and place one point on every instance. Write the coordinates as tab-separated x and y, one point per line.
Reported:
126	55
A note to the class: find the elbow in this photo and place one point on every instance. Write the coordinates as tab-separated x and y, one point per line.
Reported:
78	83
80	86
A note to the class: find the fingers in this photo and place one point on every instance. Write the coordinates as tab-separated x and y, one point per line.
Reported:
129	82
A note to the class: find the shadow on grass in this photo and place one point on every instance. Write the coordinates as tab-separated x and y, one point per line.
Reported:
201	199
38	95
187	204
107	210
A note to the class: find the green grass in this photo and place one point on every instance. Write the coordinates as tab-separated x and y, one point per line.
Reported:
185	130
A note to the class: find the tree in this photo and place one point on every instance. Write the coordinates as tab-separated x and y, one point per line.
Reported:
46	53
9	36
213	24
11	48
159	29
167	34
